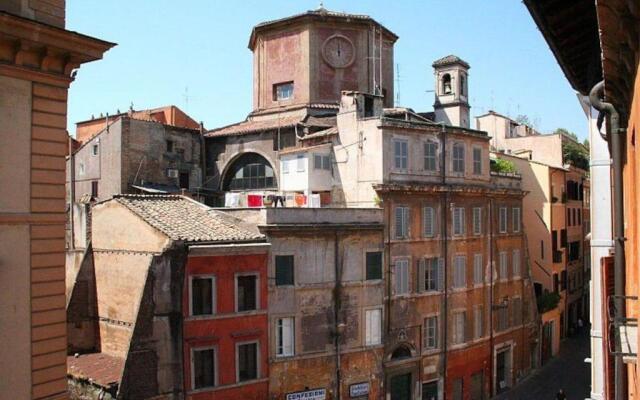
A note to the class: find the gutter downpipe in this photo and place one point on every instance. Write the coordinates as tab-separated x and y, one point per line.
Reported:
618	225
443	230
337	293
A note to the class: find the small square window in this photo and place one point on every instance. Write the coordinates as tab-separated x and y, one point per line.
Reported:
283	91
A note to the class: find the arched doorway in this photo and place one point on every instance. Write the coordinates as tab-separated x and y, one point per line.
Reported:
249	171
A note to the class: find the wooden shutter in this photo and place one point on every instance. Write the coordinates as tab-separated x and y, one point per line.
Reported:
367	329
375	326
406	222
428	221
422	281
440	274
399	217
287	336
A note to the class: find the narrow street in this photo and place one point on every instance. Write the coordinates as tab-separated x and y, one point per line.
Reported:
567	371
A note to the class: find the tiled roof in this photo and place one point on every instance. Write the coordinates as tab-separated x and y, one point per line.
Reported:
450	59
181	218
251	126
101	368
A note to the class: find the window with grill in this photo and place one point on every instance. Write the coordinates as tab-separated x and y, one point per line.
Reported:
202	295
516	219
284	270
250	171
459	322
503	219
428	221
401	154
285	337
402	276
374	265
458	157
431	333
458	221
203	368
459	271
247	292
402	222
477	161
504	266
247	356
516	263
430	157
477	220
478	270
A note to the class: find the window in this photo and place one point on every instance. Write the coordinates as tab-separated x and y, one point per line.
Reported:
458	221
542	249
430	274
517	311
516	219
183	180
504	273
285	166
431	333
94	150
430	391
202	295
402	276
285	337
94	189
428	221
246	289
282	91
374	265
478	270
81	168
321	161
401	153
284	270
503	318
458	157
373	327
446	84
247	361
477	220
477	161
503	220
402	222
478	322
459	318
458	389
574	251
249	171
300	163
169	146
430	162
516	263
459	271
203	368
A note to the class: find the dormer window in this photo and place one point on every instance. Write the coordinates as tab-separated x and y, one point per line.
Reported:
283	91
446	84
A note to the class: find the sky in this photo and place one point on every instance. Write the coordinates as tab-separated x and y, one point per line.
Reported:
194	54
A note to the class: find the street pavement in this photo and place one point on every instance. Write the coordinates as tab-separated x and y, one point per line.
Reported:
566	371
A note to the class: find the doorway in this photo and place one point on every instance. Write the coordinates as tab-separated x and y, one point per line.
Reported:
400	387
503	369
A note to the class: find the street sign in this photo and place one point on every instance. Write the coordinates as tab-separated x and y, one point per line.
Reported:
359	389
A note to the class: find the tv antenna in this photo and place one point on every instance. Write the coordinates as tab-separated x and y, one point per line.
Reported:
398	84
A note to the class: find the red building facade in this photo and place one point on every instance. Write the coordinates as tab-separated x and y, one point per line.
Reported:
225	326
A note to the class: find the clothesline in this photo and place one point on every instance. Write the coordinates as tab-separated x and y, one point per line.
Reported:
256	200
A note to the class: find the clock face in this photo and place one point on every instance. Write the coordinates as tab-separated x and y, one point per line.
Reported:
338	51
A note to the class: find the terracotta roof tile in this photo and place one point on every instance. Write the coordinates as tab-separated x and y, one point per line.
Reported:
181	218
102	369
450	59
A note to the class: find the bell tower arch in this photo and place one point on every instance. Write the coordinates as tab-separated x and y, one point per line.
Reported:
451	91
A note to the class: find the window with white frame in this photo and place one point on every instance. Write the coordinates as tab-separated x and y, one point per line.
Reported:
203	368
203	292
285	337
401	153
478	270
247	361
430	157
285	166
459	322
300	163
458	221
516	263
428	221
459	271
504	267
373	327
402	222
516	219
246	292
321	161
431	332
458	157
477	161
477	220
431	274
503	219
402	276
478	322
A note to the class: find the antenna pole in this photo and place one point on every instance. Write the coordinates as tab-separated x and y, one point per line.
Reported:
374	58
398	84
380	66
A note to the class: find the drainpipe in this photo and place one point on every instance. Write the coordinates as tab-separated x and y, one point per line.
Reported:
443	229
337	291
491	377
72	192
615	139
565	325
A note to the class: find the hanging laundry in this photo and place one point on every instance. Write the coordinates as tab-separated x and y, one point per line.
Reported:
254	200
314	201
301	200
232	199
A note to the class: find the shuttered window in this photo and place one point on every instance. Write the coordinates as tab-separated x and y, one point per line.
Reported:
428	221
402	222
373	327
284	270
477	220
430	273
458	221
431	333
401	154
516	263
459	271
503	220
458	157
285	337
516	219
478	322
477	161
430	161
459	322
478	270
402	276
504	272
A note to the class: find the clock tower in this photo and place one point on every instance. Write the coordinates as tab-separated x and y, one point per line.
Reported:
306	60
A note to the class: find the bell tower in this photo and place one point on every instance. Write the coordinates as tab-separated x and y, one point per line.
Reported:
451	92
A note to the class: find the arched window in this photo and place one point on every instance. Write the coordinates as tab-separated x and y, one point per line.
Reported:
446	84
400	353
250	171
